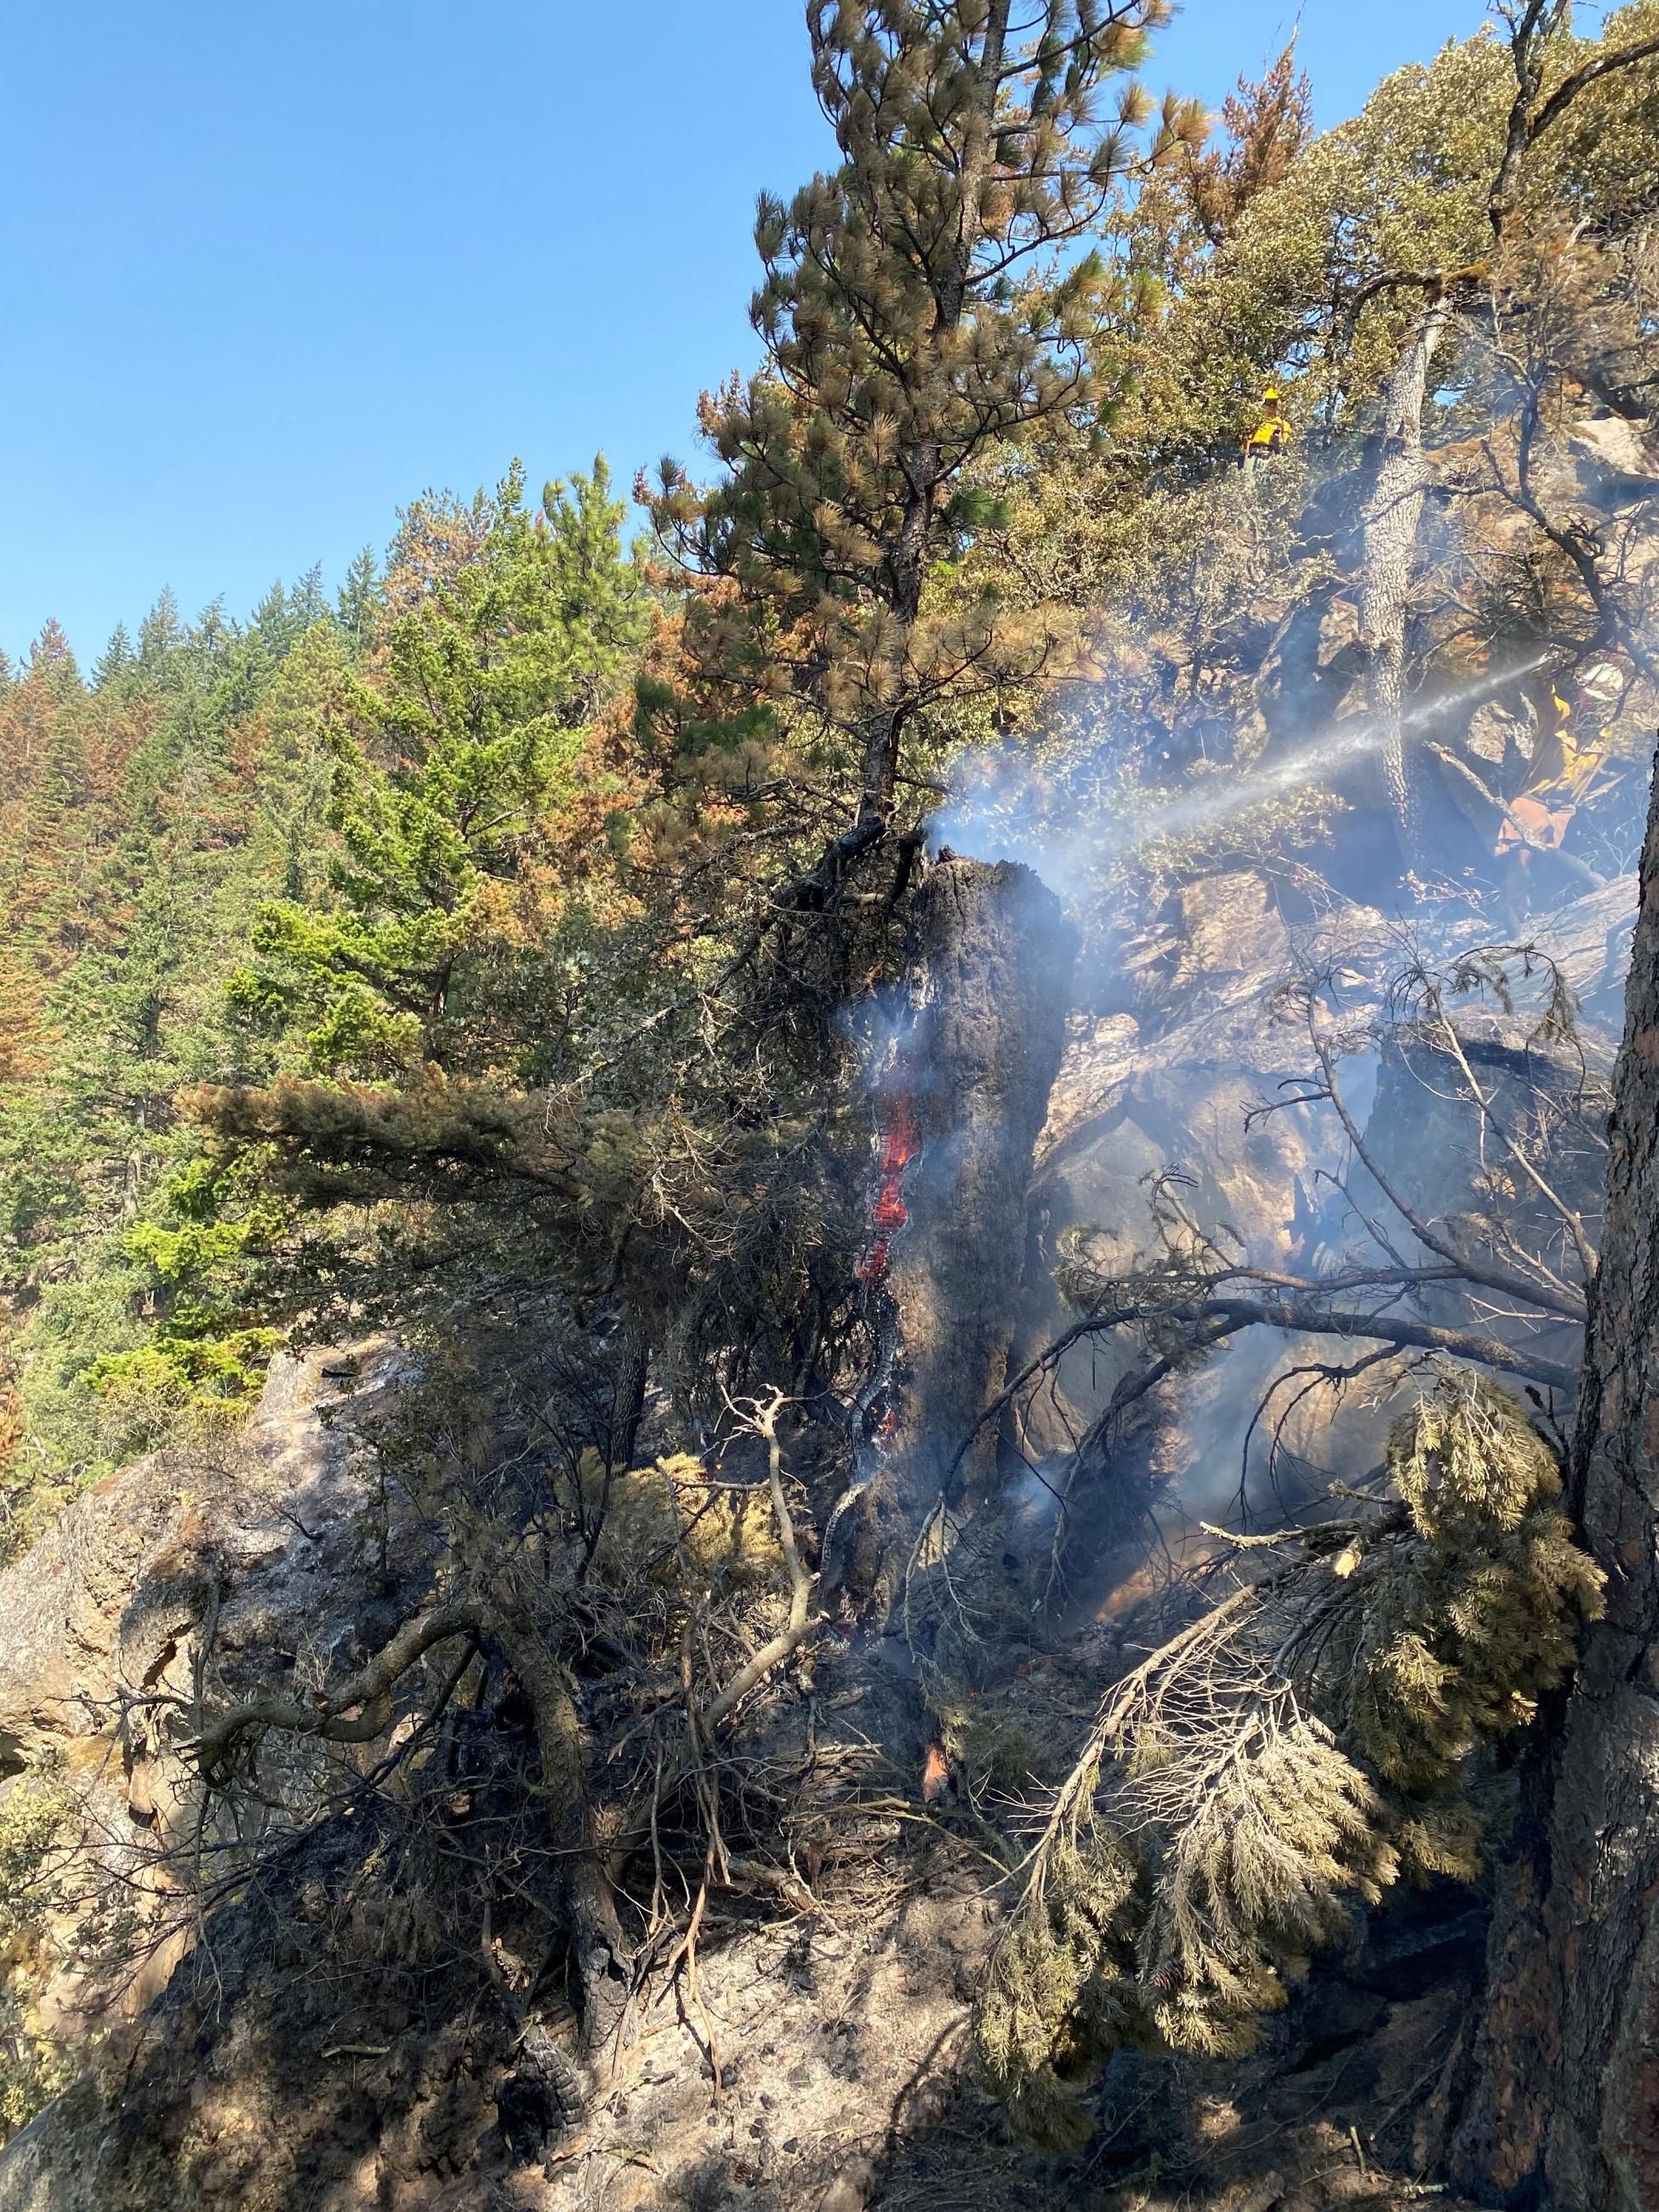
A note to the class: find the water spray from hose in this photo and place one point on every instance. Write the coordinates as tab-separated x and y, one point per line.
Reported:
993	815
1344	742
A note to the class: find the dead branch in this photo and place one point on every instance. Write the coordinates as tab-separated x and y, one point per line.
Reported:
762	1419
1532	27
1573	1220
1509	1282
1288	1306
358	1711
1307	1316
1579	544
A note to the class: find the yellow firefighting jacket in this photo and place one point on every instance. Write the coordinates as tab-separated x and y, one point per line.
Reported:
1564	773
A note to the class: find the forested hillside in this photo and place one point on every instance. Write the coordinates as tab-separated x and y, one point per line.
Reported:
234	849
791	1314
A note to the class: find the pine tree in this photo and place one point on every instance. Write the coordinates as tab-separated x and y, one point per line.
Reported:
21	1044
211	636
115	664
1268	123
274	622
597	595
360	601
446	773
161	637
907	337
172	781
44	794
285	615
306	599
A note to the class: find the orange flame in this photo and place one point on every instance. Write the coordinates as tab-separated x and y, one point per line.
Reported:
901	1142
935	1775
899	1145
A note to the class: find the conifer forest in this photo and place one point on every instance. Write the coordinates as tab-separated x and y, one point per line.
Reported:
829	1308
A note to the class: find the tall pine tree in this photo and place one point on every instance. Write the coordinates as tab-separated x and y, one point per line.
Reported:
909	331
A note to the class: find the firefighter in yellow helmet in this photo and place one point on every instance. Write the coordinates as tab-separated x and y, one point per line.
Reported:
1271	436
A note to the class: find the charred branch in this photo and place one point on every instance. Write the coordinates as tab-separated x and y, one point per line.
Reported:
763	1419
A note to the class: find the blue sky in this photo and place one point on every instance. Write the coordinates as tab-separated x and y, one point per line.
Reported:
268	274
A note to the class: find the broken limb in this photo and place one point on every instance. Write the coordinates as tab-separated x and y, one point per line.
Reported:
1573	1220
361	1709
763	1419
358	1711
1300	1310
601	1953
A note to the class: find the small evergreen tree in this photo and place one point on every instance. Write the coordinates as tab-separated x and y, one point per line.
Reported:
116	660
357	609
160	637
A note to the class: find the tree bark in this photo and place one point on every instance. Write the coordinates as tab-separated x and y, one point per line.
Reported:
360	1710
599	1948
1393	514
994	971
925	470
632	1373
1564	2111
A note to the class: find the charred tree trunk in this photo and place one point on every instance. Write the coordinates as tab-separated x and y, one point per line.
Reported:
993	966
990	978
598	1949
1392	517
1564	2106
632	1373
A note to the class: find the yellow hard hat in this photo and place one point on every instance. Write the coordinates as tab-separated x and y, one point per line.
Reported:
1270	393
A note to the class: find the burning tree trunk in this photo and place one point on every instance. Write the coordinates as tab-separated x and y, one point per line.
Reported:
1392	516
994	957
959	1120
1565	2104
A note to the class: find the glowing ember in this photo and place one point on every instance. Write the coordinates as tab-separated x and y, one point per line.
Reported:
874	1265
900	1143
935	1775
890	1211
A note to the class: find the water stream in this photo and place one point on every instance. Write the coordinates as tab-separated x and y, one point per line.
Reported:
997	814
1223	799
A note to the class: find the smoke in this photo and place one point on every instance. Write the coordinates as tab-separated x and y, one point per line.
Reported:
1182	1094
1348	740
1174	1039
999	810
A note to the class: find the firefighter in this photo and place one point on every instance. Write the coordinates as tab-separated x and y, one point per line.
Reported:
1271	436
1565	770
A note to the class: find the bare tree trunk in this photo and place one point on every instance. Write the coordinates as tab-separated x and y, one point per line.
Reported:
1392	516
925	466
632	1373
598	1949
1564	2105
994	954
